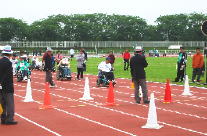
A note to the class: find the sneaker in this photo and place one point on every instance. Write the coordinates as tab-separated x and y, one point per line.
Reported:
138	102
146	102
52	86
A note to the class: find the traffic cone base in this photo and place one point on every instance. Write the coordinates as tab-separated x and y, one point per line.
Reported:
152	126
42	107
152	115
28	97
86	98
86	93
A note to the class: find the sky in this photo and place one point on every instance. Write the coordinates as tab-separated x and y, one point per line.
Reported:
33	10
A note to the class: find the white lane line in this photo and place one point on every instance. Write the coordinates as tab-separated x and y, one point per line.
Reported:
36	124
80	117
128	114
163	109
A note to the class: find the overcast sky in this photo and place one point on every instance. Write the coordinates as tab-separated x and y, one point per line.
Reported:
32	10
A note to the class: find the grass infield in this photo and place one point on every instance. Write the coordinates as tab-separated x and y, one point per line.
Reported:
158	70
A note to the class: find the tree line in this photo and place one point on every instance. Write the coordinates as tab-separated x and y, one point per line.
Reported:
102	27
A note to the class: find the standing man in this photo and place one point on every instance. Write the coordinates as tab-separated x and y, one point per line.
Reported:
137	65
197	64
7	88
181	65
126	57
47	59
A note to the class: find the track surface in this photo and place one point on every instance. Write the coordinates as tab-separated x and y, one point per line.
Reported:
186	116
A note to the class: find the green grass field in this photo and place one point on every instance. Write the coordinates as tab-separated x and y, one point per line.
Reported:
159	68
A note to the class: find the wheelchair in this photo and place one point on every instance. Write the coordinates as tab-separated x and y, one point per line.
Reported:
23	75
104	78
63	73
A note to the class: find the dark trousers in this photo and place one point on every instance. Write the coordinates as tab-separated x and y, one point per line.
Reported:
198	72
137	84
7	102
109	75
49	78
80	73
126	64
180	72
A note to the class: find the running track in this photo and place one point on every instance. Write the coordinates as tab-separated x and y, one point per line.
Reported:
186	116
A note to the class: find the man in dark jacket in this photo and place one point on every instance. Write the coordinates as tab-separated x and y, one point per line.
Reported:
47	59
137	65
7	88
181	65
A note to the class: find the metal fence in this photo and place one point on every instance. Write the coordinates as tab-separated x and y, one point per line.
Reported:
100	44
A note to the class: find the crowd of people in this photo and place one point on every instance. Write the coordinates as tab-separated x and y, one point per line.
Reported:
21	67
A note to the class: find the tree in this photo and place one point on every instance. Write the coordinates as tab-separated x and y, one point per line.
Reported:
11	28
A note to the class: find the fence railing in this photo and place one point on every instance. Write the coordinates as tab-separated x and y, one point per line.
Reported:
100	44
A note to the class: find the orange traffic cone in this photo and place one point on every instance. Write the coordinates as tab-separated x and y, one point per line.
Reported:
47	101
167	98
132	85
110	98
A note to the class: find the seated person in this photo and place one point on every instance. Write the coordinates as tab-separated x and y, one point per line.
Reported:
105	68
23	66
64	67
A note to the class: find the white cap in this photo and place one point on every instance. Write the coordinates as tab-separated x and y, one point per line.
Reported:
7	49
49	49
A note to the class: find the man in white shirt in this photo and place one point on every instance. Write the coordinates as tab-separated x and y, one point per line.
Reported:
106	69
72	52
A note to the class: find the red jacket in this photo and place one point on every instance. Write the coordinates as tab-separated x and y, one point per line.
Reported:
126	55
198	61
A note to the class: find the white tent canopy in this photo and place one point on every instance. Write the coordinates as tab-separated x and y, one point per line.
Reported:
174	46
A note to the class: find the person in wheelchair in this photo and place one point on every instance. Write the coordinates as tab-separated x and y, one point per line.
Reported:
105	74
22	67
64	69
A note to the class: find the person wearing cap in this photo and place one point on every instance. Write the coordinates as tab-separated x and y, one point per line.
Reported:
47	60
7	87
106	69
181	65
112	58
137	65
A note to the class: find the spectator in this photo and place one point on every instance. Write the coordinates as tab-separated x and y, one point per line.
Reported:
137	65
197	64
80	60
181	65
72	52
47	59
126	57
86	58
7	88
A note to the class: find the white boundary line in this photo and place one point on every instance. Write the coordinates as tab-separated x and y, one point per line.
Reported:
36	124
77	116
125	113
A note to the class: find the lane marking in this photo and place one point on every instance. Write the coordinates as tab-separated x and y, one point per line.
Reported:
36	124
77	116
129	114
